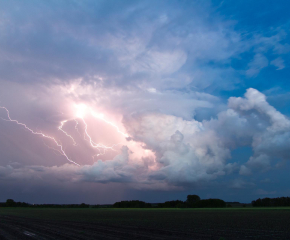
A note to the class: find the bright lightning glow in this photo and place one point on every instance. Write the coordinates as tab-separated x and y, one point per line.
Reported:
81	111
41	134
98	146
102	117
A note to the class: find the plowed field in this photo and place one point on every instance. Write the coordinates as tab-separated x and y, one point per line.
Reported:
114	224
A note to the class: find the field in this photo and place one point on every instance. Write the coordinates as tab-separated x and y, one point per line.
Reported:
229	223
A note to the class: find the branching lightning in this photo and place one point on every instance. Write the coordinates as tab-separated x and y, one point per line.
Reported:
81	110
93	144
41	134
101	116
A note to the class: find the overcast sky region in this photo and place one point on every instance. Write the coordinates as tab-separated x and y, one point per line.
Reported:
102	101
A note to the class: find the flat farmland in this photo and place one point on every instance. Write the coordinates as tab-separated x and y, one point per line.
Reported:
228	223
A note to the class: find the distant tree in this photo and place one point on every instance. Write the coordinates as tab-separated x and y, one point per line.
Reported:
131	204
10	203
211	203
257	203
272	202
21	204
192	200
83	205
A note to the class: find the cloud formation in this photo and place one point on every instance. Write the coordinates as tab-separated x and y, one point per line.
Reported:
173	152
168	75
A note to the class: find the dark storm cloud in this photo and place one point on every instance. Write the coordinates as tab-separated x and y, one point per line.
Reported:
164	70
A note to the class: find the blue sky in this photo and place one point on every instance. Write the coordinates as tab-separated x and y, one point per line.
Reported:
149	100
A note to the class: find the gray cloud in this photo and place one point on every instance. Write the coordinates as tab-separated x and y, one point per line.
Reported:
150	67
115	42
245	171
186	152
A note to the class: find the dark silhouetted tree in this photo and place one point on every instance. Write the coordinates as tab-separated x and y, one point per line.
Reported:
171	204
131	204
192	200
10	203
211	203
272	202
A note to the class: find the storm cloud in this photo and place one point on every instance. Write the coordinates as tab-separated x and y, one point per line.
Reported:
151	96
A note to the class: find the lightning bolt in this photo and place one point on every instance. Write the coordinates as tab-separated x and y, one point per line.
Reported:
79	115
81	110
101	116
97	145
60	128
39	133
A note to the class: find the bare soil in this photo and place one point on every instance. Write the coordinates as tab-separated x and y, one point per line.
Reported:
141	224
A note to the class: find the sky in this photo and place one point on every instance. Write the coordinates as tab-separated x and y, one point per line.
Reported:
103	101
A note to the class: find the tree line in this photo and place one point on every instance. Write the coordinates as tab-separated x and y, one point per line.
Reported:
272	202
192	201
12	203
